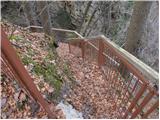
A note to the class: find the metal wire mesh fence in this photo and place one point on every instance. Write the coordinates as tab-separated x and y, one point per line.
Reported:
136	98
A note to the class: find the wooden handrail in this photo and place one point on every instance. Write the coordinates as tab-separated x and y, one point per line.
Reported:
56	29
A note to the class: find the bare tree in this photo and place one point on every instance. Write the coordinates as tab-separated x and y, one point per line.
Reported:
93	25
135	30
84	15
28	9
44	16
89	21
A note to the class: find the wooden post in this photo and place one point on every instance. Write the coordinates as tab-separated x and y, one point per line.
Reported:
83	49
100	53
69	46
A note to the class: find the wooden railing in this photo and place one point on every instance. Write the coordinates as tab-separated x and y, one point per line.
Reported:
127	75
60	34
14	69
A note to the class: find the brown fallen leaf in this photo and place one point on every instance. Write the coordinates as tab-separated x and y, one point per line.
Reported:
22	97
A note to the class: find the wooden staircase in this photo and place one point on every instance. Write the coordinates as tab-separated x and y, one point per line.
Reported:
122	84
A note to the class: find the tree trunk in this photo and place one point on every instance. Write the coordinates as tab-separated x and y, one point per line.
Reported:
89	21
44	16
93	26
135	30
84	15
28	9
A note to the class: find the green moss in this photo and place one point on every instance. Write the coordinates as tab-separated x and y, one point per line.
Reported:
16	37
38	69
57	86
31	52
50	55
49	72
27	60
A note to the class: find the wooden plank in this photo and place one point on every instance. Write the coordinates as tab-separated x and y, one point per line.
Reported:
100	53
83	48
56	29
144	102
156	105
134	101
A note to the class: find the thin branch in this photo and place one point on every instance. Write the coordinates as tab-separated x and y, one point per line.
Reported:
13	30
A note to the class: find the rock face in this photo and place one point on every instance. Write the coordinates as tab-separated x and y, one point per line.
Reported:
148	50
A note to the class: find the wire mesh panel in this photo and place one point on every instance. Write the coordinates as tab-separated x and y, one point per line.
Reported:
135	98
91	52
135	92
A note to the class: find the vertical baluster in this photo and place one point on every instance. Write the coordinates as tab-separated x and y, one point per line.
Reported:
5	72
117	75
90	51
151	109
92	54
100	53
110	67
109	64
6	68
125	102
143	103
120	78
126	90
114	74
69	47
83	49
87	50
126	93
134	101
119	87
113	70
134	87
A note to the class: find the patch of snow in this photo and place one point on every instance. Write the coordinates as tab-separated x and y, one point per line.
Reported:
69	111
